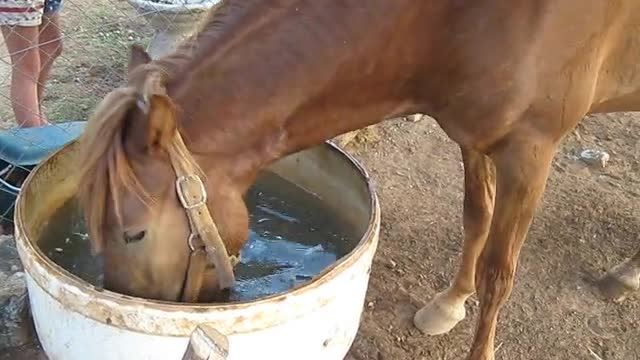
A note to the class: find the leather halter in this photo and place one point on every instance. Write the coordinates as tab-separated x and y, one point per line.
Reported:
204	241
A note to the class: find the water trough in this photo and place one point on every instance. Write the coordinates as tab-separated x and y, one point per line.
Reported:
317	320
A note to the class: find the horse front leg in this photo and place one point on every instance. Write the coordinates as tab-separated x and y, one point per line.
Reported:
447	307
621	280
522	166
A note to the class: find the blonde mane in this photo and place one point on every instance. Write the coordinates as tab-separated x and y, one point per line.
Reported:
105	170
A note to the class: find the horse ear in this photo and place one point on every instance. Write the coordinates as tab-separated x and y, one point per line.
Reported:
161	123
139	56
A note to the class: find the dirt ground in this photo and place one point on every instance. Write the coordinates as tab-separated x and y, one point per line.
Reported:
588	221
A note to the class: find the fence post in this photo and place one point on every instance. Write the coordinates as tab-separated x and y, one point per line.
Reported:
206	343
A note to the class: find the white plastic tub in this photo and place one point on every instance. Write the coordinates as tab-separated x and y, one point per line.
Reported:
172	21
319	320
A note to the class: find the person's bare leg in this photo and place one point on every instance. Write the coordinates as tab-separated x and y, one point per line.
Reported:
22	44
447	307
50	48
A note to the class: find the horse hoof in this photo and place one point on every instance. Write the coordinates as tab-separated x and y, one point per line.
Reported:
439	316
619	282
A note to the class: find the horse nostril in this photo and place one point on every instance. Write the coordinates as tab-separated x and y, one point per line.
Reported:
133	238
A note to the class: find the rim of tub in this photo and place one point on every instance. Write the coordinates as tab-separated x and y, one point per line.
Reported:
123	311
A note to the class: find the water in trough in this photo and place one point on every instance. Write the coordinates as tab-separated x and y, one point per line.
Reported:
293	237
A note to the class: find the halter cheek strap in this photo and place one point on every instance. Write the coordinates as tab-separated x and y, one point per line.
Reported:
195	276
205	242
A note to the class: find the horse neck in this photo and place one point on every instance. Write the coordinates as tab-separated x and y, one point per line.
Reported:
283	86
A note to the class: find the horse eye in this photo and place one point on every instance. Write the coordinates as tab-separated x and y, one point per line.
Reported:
133	238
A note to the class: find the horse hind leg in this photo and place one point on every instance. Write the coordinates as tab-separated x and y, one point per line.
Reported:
447	309
621	280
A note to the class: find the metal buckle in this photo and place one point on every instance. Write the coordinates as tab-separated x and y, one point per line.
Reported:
183	199
192	246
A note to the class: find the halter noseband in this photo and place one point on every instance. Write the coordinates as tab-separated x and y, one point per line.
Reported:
204	241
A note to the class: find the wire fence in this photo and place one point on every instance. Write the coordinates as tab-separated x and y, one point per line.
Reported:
58	58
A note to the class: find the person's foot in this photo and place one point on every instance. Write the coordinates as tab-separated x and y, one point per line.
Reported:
37	124
43	119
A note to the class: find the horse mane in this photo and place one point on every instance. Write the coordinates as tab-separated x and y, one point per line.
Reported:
105	170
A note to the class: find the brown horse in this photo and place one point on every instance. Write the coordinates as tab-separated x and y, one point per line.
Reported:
506	80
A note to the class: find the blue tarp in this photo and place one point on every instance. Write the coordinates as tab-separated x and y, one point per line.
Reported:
30	146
